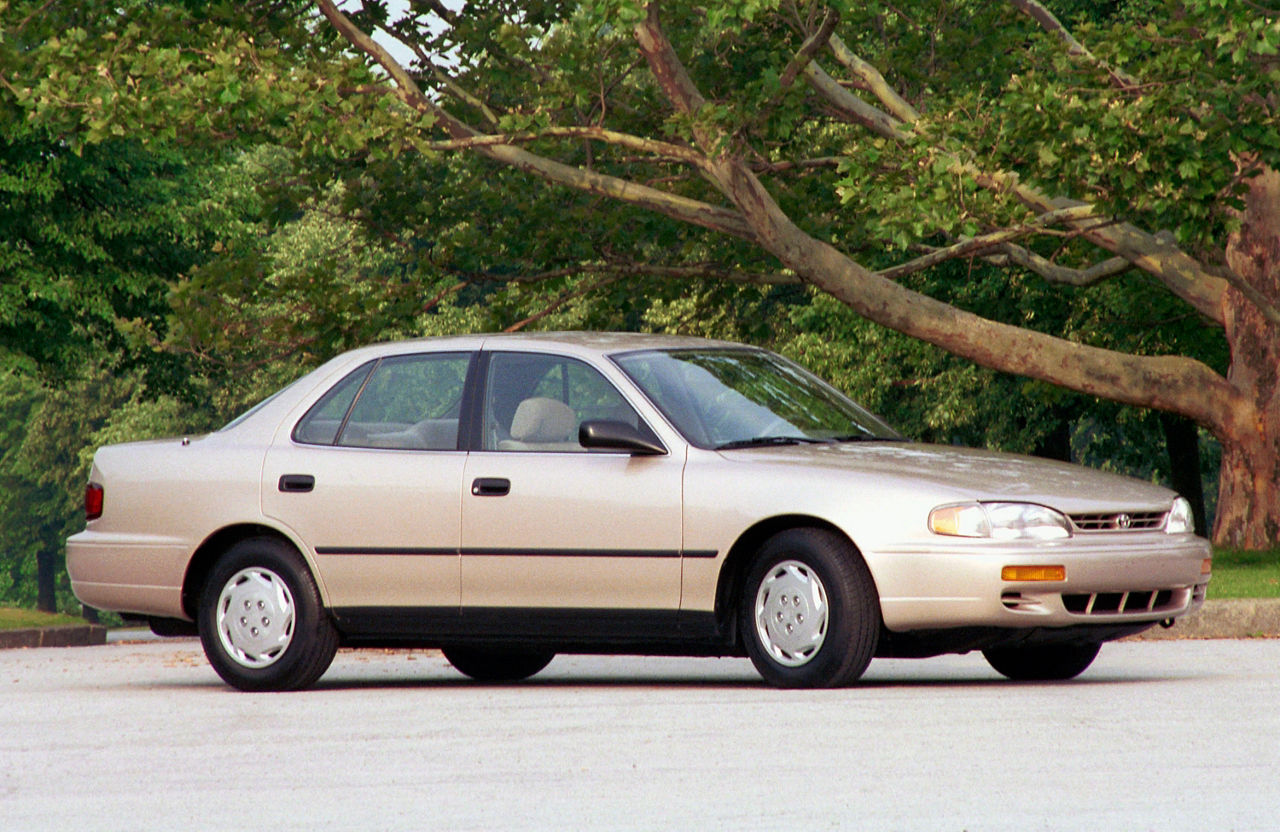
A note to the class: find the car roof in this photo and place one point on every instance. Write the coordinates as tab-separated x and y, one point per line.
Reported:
583	343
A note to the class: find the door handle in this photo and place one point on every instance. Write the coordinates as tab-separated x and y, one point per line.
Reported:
491	487
297	483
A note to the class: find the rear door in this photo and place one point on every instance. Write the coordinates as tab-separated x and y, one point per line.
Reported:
370	480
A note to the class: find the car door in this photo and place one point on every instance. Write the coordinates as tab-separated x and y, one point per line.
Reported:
370	479
550	530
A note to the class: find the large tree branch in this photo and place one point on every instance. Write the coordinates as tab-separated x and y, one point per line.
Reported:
678	207
1173	383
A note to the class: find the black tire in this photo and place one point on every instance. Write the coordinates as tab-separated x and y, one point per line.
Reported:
283	639
490	664
1042	663
817	650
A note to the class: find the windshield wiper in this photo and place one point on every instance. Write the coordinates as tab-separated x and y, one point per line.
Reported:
867	437
761	441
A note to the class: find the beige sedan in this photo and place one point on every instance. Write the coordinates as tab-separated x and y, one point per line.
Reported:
506	498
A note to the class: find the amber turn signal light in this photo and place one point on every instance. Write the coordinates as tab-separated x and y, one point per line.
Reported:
1033	573
1206	566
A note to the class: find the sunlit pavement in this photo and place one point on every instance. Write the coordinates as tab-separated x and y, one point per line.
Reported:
142	735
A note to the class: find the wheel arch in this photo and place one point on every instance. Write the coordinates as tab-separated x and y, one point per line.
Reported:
738	561
207	554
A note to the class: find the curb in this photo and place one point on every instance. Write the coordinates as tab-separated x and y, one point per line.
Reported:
1228	618
70	635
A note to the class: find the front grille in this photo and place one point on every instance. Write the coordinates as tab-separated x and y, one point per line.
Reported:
1119	521
1125	603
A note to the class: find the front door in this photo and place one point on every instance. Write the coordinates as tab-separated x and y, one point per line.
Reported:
550	530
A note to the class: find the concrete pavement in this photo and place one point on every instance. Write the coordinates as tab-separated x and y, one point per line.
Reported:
1171	736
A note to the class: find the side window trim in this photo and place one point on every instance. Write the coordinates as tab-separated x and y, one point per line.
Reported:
471	414
351	408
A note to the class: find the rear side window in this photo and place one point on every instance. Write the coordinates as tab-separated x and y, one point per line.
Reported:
409	402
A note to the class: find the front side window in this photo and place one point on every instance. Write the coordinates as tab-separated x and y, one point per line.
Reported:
536	402
408	402
725	398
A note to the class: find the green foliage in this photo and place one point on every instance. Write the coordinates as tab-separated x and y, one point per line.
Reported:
89	242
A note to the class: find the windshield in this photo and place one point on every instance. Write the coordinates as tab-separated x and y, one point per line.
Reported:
727	398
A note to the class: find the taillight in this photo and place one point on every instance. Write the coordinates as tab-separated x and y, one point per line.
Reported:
93	495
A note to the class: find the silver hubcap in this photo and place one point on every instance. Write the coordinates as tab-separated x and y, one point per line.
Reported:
255	617
791	613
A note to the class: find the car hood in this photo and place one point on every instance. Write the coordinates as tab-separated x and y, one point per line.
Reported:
971	474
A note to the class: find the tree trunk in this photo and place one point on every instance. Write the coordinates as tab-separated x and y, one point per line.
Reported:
46	582
1248	497
1249	482
1182	440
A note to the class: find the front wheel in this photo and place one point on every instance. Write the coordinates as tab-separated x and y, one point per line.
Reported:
486	664
1042	663
261	620
810	614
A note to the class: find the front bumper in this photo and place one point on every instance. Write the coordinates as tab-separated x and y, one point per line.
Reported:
1121	578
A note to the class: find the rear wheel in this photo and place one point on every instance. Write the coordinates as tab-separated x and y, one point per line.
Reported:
261	620
810	614
487	664
1042	663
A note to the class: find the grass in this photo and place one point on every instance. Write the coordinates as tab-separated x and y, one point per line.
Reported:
1241	574
15	619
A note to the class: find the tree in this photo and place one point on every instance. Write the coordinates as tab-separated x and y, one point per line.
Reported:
1119	187
1145	166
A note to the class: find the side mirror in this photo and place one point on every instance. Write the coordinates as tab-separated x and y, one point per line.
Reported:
618	436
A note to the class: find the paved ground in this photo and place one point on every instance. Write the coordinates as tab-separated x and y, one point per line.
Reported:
1167	735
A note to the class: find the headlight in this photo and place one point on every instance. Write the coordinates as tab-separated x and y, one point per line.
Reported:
1180	519
1001	521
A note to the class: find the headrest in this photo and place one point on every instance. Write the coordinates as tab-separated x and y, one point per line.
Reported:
543	420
